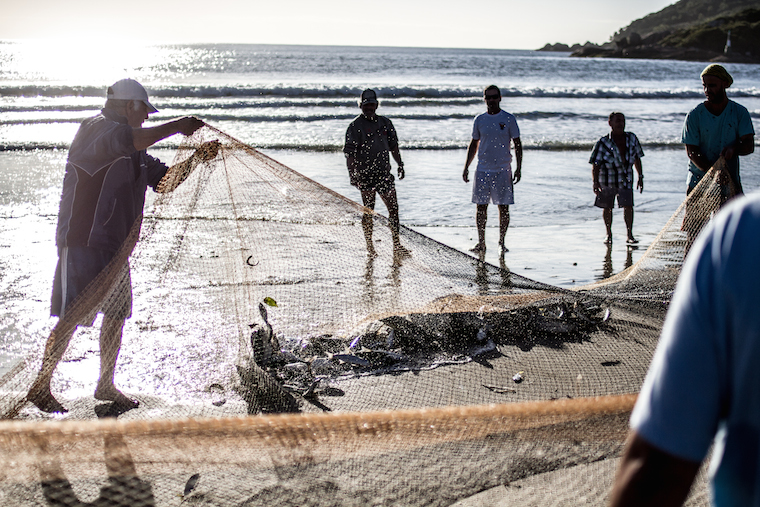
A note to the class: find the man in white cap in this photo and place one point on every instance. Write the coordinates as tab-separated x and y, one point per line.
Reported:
718	127
107	174
369	139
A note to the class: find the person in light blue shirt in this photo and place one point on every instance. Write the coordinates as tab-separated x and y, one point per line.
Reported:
718	127
702	385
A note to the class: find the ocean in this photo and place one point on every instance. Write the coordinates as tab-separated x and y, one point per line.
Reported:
294	104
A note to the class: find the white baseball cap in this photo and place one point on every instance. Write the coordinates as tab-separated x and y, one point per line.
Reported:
129	89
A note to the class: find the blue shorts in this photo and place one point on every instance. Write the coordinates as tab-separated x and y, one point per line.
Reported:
493	186
77	267
606	198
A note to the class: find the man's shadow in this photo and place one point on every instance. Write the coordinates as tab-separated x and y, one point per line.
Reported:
124	487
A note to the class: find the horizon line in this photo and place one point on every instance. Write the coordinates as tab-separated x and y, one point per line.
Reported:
83	40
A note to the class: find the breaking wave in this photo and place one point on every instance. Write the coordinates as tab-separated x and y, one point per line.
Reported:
415	94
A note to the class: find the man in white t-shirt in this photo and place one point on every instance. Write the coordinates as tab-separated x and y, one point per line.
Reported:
492	134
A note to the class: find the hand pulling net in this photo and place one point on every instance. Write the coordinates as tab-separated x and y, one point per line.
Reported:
284	353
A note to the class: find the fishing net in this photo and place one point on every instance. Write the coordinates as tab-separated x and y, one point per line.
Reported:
285	352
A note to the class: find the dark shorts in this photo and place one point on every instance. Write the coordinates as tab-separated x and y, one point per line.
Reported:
77	267
382	184
606	198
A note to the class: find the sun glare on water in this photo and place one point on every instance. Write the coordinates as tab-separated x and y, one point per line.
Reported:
74	62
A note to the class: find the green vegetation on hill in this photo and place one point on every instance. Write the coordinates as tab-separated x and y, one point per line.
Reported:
686	30
711	35
683	14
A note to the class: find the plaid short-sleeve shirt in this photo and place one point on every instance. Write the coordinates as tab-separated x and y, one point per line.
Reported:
614	170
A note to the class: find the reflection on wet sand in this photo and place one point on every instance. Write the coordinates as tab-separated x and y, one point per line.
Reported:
607	265
485	286
369	273
607	268
369	279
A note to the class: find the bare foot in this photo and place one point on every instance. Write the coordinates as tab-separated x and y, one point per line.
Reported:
503	248
116	396
478	249
43	400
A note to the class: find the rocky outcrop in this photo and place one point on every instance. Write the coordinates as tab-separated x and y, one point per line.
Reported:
705	41
577	48
560	47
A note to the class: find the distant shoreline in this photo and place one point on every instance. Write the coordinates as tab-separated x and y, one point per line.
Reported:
648	52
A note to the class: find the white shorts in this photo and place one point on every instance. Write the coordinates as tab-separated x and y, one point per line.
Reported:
493	186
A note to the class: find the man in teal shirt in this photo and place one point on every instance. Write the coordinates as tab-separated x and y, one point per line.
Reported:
716	128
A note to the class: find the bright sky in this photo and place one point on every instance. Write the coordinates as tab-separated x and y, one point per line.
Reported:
501	24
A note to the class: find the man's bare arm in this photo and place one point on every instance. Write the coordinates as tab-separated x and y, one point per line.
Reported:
518	155
597	186
145	137
397	157
744	146
351	166
648	476
695	155
471	151
639	170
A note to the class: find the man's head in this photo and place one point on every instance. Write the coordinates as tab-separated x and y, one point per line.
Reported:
715	80
368	103
129	98
492	96
617	122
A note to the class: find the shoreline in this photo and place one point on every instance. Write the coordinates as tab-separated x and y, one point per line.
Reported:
653	52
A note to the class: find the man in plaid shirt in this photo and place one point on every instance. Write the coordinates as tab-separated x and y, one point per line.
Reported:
614	157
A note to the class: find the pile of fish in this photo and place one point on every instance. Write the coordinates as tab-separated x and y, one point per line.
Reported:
278	372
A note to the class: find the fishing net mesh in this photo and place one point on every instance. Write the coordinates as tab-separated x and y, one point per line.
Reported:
285	351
